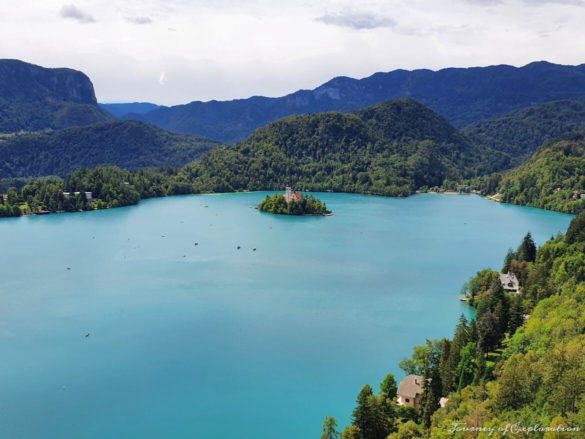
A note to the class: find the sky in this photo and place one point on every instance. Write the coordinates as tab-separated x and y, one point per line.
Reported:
177	51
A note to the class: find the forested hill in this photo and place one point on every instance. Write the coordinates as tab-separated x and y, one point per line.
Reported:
554	178
522	132
518	364
462	95
34	98
128	144
388	149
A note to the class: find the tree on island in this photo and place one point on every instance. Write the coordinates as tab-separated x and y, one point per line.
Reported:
305	205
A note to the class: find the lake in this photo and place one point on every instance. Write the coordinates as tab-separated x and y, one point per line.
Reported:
149	335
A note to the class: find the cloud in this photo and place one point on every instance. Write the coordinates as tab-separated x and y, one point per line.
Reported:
528	2
485	2
561	2
139	20
357	20
74	13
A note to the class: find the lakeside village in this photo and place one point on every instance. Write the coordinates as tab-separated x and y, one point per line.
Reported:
82	198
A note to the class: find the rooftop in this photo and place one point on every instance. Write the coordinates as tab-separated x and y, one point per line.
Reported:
411	386
509	281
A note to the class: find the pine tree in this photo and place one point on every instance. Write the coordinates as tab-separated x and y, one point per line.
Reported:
527	249
510	256
488	331
445	367
467	367
432	386
330	428
388	386
460	339
373	415
516	317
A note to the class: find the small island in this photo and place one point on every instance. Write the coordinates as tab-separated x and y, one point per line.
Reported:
293	203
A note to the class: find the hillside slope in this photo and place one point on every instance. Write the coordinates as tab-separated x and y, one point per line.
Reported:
462	95
34	98
540	378
388	149
553	178
522	132
126	144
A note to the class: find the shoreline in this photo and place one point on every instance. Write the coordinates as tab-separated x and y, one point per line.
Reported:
495	198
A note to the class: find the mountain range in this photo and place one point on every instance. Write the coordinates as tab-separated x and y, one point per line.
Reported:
461	95
389	148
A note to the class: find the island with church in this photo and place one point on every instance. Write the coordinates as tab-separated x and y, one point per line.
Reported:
293	203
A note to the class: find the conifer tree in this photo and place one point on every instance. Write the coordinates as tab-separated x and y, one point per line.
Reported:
527	250
330	428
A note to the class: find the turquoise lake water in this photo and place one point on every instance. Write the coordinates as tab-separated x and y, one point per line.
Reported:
208	341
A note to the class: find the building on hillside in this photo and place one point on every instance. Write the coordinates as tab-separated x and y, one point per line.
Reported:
510	282
443	402
290	195
410	391
88	195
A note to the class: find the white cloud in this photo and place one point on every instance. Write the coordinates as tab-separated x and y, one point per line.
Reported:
224	49
357	20
139	20
73	12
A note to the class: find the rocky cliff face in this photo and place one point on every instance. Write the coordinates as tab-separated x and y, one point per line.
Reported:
33	98
23	81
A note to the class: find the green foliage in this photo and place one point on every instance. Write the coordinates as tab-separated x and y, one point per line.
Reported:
388	149
373	415
352	432
33	98
576	231
540	377
110	187
330	428
388	386
502	369
522	132
527	249
554	178
432	386
306	205
130	145
407	430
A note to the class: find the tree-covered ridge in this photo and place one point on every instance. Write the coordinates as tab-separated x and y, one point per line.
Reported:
305	205
462	95
389	149
129	144
34	98
522	132
554	178
520	361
